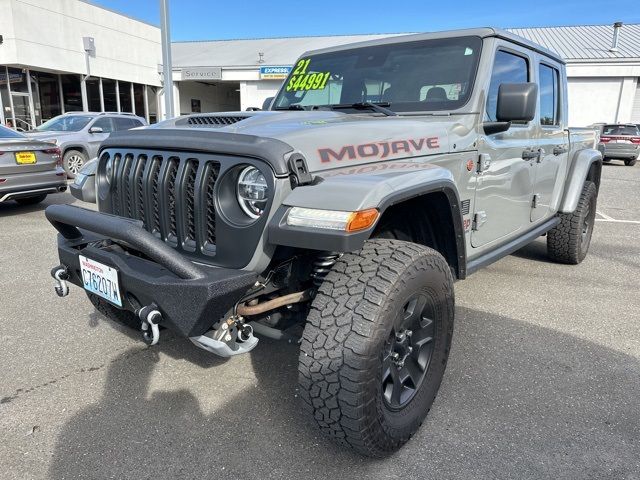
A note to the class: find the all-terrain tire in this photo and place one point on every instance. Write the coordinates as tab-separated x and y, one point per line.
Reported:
113	313
568	242
348	336
630	163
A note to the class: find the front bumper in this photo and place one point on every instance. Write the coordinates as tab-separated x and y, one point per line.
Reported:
191	298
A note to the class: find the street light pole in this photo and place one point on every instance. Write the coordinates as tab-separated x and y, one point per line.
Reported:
166	58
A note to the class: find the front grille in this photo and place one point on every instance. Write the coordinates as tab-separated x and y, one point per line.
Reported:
173	195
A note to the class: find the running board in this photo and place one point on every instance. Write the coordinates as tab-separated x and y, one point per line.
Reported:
510	247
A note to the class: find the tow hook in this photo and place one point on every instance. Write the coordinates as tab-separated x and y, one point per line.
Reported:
61	275
150	317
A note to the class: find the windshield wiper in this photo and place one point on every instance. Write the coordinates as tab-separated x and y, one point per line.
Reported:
294	106
376	107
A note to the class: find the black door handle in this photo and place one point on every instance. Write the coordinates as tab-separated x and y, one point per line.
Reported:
559	150
530	154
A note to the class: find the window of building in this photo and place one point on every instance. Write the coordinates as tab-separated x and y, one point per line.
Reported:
138	99
17	80
109	92
93	95
71	93
125	96
49	93
549	96
4	96
507	68
152	100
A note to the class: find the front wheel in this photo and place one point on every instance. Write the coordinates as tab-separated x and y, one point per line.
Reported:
568	242
73	161
376	344
630	163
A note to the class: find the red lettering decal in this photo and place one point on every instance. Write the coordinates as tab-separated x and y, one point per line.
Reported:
327	153
433	142
417	146
368	150
400	146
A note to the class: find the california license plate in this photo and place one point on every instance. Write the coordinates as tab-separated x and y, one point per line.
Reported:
100	279
25	158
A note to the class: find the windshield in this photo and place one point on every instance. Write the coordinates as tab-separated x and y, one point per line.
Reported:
620	130
428	75
8	133
65	123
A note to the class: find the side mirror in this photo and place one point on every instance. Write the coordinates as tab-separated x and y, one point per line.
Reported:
517	102
266	105
95	130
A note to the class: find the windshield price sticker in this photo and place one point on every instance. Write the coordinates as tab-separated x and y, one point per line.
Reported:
301	80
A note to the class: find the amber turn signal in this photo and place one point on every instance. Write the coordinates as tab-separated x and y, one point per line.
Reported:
362	220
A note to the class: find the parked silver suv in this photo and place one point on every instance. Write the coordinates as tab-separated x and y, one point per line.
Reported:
79	134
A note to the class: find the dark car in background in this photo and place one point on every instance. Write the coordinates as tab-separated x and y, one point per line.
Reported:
30	169
79	134
620	141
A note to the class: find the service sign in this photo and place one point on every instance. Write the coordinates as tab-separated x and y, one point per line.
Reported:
201	73
274	73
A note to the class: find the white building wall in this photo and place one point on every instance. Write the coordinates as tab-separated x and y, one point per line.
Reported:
48	35
254	93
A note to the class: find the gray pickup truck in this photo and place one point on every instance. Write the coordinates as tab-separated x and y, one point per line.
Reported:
381	173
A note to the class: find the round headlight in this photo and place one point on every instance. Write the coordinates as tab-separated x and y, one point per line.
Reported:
252	192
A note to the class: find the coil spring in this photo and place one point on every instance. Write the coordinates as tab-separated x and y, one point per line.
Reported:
322	265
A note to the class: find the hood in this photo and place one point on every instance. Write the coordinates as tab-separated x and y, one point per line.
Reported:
329	139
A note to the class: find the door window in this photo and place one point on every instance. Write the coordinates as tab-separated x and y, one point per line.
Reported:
507	68
549	95
104	124
126	123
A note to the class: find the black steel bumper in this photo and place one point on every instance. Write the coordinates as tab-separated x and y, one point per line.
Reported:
190	297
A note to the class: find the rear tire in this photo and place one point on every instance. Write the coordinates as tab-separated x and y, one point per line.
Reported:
31	200
73	161
568	242
374	304
113	313
630	163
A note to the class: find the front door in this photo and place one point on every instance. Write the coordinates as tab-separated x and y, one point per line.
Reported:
505	186
21	111
553	142
96	138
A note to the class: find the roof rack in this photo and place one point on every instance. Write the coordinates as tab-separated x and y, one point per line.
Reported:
101	113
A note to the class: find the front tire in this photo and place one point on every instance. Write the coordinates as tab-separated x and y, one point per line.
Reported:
630	163
376	344
73	161
568	242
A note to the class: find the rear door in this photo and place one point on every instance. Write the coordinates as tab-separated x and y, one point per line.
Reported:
552	142
505	186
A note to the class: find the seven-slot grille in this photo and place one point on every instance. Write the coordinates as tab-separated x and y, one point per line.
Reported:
173	195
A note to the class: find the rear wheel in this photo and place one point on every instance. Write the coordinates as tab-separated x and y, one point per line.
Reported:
31	200
568	242
376	344
630	163
73	161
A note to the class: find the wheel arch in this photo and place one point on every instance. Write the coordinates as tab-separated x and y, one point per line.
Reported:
586	166
67	148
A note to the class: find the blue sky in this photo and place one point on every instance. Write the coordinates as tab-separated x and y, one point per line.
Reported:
212	19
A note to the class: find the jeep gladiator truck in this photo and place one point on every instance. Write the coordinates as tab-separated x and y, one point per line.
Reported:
381	173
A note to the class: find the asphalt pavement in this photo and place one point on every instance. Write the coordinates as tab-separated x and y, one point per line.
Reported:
543	379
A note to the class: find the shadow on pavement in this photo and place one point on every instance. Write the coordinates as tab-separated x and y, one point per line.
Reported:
518	401
11	208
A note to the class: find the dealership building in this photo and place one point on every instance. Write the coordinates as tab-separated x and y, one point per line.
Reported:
83	57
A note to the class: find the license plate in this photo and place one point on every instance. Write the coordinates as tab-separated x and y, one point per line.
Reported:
25	158
100	279
622	141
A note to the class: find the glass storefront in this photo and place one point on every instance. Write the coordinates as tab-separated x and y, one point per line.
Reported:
29	98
